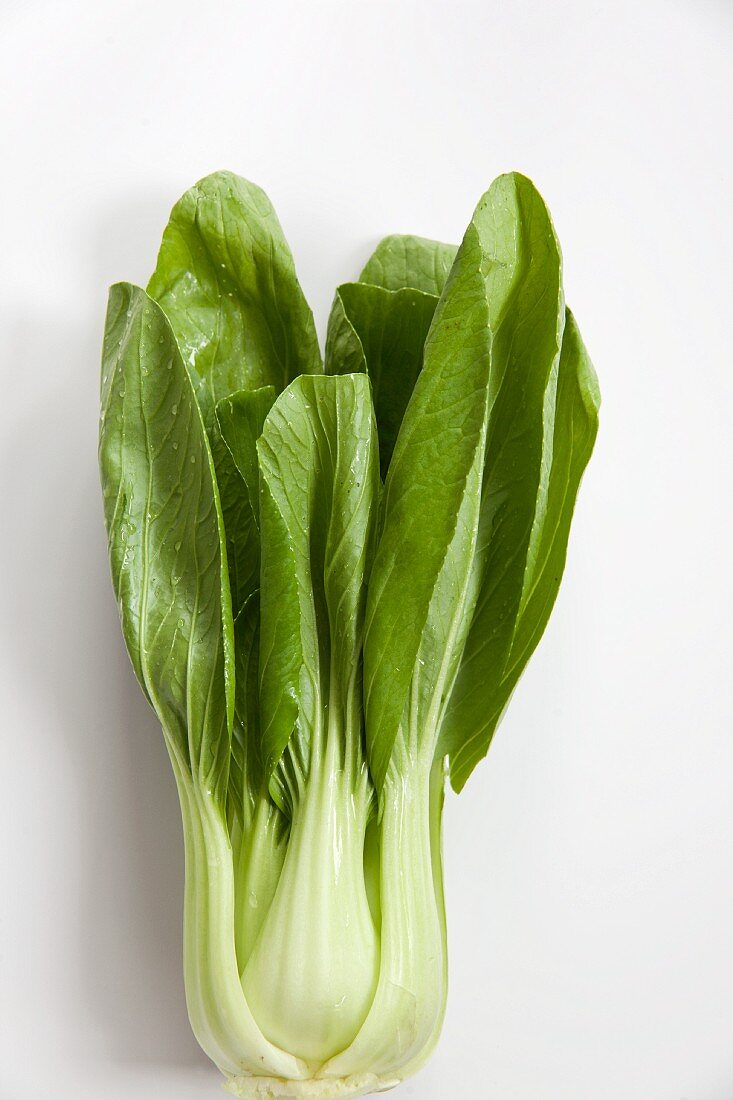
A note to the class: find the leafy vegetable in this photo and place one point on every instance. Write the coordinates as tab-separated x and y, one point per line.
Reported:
329	585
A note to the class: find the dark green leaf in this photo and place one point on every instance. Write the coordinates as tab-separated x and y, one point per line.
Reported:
382	332
489	382
241	418
234	432
245	781
527	332
240	528
474	710
443	429
165	535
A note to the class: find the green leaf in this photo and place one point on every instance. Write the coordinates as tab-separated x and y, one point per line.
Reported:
319	484
446	628
238	423
488	383
379	325
245	780
382	332
344	351
437	446
241	418
166	535
527	330
405	261
475	710
226	280
240	528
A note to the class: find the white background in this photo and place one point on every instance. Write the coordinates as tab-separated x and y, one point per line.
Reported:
589	862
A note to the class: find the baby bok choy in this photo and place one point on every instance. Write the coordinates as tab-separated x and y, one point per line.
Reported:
330	577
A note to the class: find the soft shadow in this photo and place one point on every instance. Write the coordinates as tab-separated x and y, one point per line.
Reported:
130	914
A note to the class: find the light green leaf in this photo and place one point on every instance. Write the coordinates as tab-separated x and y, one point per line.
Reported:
344	351
382	332
573	436
405	261
226	280
166	536
319	483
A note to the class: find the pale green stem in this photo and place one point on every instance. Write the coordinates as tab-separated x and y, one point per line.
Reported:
407	1012
313	972
220	1016
257	869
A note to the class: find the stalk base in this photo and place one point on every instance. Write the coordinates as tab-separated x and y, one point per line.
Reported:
339	1088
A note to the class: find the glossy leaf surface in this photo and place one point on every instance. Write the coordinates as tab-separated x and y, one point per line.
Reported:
165	534
226	280
318	477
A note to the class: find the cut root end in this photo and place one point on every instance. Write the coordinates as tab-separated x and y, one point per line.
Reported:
339	1088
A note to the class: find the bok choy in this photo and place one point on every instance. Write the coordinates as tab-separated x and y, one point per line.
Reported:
330	577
